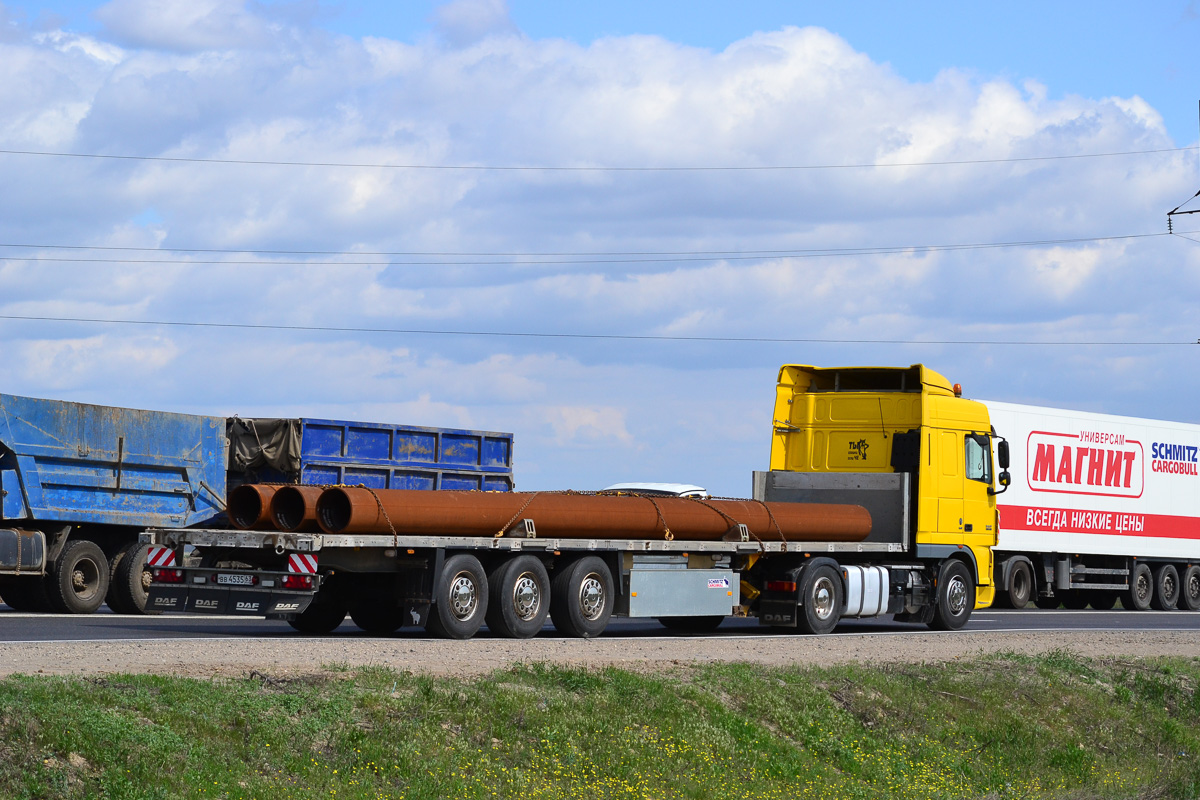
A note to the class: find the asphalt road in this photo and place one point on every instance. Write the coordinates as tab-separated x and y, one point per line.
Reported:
18	627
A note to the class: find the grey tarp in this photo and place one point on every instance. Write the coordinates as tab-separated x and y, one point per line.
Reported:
257	443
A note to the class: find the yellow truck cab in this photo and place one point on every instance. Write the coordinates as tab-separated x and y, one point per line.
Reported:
860	422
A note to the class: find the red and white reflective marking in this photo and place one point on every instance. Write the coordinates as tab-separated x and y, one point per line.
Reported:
159	556
299	562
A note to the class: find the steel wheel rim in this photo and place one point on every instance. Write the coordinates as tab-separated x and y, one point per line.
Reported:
527	596
823	595
1142	587
85	579
591	597
463	599
1170	587
956	595
1193	586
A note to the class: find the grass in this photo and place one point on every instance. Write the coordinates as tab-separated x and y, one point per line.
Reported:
1006	726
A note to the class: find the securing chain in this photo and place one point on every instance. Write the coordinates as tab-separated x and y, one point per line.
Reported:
382	510
500	533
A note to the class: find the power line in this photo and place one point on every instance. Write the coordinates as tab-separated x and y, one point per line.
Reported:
588	336
521	168
548	258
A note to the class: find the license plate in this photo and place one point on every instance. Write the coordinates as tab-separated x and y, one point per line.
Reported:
236	580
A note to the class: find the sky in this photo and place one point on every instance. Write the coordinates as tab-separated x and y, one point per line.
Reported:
600	226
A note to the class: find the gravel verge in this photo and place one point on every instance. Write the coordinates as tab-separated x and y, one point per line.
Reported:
239	657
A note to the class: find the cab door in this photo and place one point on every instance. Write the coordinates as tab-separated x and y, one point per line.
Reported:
979	513
950	487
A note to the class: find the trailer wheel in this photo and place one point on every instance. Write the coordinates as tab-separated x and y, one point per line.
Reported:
581	598
129	582
955	597
822	600
25	593
79	580
1166	588
518	598
1020	585
378	619
1141	589
323	615
1102	599
460	599
1189	593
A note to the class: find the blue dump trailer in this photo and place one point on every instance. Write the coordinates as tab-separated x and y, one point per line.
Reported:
79	483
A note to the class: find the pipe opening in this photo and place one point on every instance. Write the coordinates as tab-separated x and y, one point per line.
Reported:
334	510
288	508
244	507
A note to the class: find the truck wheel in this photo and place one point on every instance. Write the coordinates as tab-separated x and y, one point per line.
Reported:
1189	593
1166	588
581	598
822	600
1020	585
1047	603
79	579
1101	599
460	599
25	594
129	582
378	619
518	598
955	597
706	624
1141	589
323	615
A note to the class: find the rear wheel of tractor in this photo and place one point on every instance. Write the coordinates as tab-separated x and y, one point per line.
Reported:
822	600
1075	599
25	593
518	598
1189	585
322	616
955	597
129	582
460	599
1020	585
581	598
1141	589
1166	588
1102	599
378	619
78	581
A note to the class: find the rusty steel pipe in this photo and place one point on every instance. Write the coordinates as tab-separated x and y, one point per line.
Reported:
294	508
249	506
452	513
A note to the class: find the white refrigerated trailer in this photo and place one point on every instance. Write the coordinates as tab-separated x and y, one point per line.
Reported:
1101	508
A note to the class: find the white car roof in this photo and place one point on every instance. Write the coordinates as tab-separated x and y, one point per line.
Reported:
679	489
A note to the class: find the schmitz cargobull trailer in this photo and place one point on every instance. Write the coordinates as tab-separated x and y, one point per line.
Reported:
1101	508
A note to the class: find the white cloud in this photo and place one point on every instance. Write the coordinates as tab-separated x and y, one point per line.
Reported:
432	249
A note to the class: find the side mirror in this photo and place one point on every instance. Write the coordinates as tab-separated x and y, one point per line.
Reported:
1004	479
1002	454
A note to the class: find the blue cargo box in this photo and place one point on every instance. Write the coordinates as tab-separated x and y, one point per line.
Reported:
80	463
331	452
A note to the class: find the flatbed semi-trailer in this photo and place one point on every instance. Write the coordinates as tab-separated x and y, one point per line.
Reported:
900	445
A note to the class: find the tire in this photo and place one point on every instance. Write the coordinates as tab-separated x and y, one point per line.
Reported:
955	597
1141	589
706	624
322	616
581	598
1075	599
129	582
25	594
1189	595
378	619
1102	599
822	599
1021	587
78	581
1166	588
518	598
1047	603
460	599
